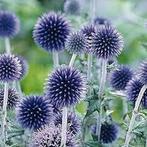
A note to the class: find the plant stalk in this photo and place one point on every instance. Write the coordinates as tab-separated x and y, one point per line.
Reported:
71	63
64	127
7	46
89	67
55	59
134	114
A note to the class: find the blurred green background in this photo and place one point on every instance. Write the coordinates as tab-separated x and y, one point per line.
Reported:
128	15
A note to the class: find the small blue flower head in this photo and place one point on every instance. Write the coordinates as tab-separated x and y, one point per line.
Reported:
9	24
51	31
88	31
107	42
10	68
109	132
73	123
143	72
76	43
13	98
72	7
34	112
24	67
65	87
50	136
120	77
100	21
133	88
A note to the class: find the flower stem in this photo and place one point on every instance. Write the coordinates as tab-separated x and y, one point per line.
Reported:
7	46
4	113
134	114
89	67
71	63
19	89
64	127
100	94
55	59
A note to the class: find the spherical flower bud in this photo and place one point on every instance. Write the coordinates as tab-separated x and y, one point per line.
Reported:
107	42
72	7
133	88
109	132
76	43
9	24
10	68
88	32
51	31
33	112
13	98
100	21
73	123
50	136
65	87
120	77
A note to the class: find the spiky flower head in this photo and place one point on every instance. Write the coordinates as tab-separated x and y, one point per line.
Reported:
120	77
76	43
72	7
73	123
133	88
51	31
100	21
9	24
13	98
143	72
10	68
24	67
33	112
107	42
50	136
88	31
109	132
65	86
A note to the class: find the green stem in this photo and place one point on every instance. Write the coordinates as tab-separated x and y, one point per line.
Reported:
73	58
134	114
19	89
100	94
55	59
64	127
7	46
4	113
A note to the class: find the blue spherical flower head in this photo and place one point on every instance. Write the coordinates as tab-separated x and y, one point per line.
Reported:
100	21
120	77
65	87
88	32
109	132
50	136
133	88
51	31
76	43
10	68
13	98
73	123
9	24
72	7
107	42
34	112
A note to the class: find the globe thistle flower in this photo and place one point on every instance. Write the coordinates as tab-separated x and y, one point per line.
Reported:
24	67
13	98
50	136
133	88
34	112
143	72
10	68
73	123
72	7
88	31
100	21
9	24
65	87
76	43
120	77
51	31
109	132
107	42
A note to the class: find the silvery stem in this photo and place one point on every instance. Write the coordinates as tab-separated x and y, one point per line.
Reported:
64	127
71	63
55	59
7	46
89	67
134	114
